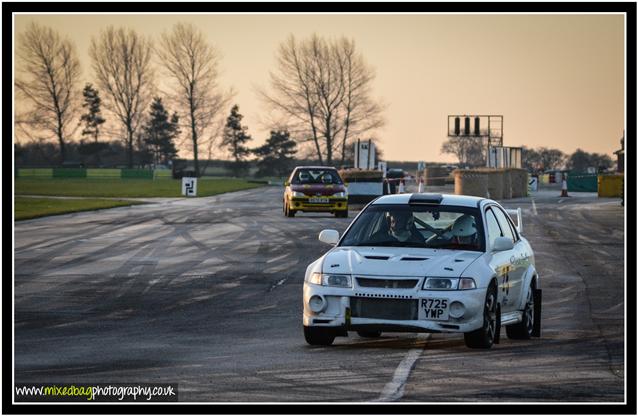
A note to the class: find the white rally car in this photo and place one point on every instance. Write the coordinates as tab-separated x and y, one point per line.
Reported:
425	263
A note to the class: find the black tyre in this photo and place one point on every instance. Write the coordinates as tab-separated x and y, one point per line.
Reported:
485	336
369	334
318	336
525	328
288	212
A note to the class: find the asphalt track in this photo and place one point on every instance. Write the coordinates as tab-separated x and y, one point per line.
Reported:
206	293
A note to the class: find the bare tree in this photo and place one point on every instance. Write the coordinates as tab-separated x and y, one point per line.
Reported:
361	113
294	94
470	151
580	161
551	158
542	159
47	75
122	63
193	64
322	91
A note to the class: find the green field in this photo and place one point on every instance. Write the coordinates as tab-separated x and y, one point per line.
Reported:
125	188
27	208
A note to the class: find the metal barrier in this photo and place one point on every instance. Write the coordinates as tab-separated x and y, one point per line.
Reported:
69	173
582	183
610	186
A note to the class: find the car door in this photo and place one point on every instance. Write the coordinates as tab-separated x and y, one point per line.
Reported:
500	262
517	258
520	259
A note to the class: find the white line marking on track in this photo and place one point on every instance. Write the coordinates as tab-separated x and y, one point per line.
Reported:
534	208
279	283
277	258
394	390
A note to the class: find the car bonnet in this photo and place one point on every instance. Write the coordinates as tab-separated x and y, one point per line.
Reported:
398	261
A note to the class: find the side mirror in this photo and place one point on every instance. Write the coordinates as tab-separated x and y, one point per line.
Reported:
502	244
329	237
286	183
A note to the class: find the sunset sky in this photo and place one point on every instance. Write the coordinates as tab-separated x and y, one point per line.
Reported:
558	80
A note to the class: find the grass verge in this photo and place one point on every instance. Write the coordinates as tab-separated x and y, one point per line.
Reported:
27	208
122	188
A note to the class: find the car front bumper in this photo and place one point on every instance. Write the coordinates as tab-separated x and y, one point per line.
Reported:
341	305
334	204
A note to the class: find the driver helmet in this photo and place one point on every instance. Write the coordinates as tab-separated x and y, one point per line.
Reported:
326	178
303	176
400	223
464	226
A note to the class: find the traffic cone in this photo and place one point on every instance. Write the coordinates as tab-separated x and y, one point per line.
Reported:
420	190
401	187
563	191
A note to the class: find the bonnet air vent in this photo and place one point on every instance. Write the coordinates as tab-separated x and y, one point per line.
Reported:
413	258
377	257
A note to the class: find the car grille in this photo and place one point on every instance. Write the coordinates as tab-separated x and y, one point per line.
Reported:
396	309
388	283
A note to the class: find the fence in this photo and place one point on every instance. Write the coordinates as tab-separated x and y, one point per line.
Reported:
35	173
74	173
103	173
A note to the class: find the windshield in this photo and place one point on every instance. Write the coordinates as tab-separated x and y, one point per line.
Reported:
315	176
444	227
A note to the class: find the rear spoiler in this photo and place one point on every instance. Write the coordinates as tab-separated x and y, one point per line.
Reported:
519	218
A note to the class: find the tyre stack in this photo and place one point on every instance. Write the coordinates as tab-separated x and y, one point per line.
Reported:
435	176
470	182
494	183
519	182
507	183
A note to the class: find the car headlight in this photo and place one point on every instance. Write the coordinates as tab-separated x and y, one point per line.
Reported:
296	194
449	283
324	279
339	194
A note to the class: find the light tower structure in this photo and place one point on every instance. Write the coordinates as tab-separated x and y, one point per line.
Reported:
486	127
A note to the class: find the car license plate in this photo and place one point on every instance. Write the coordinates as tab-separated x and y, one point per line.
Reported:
318	200
433	309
